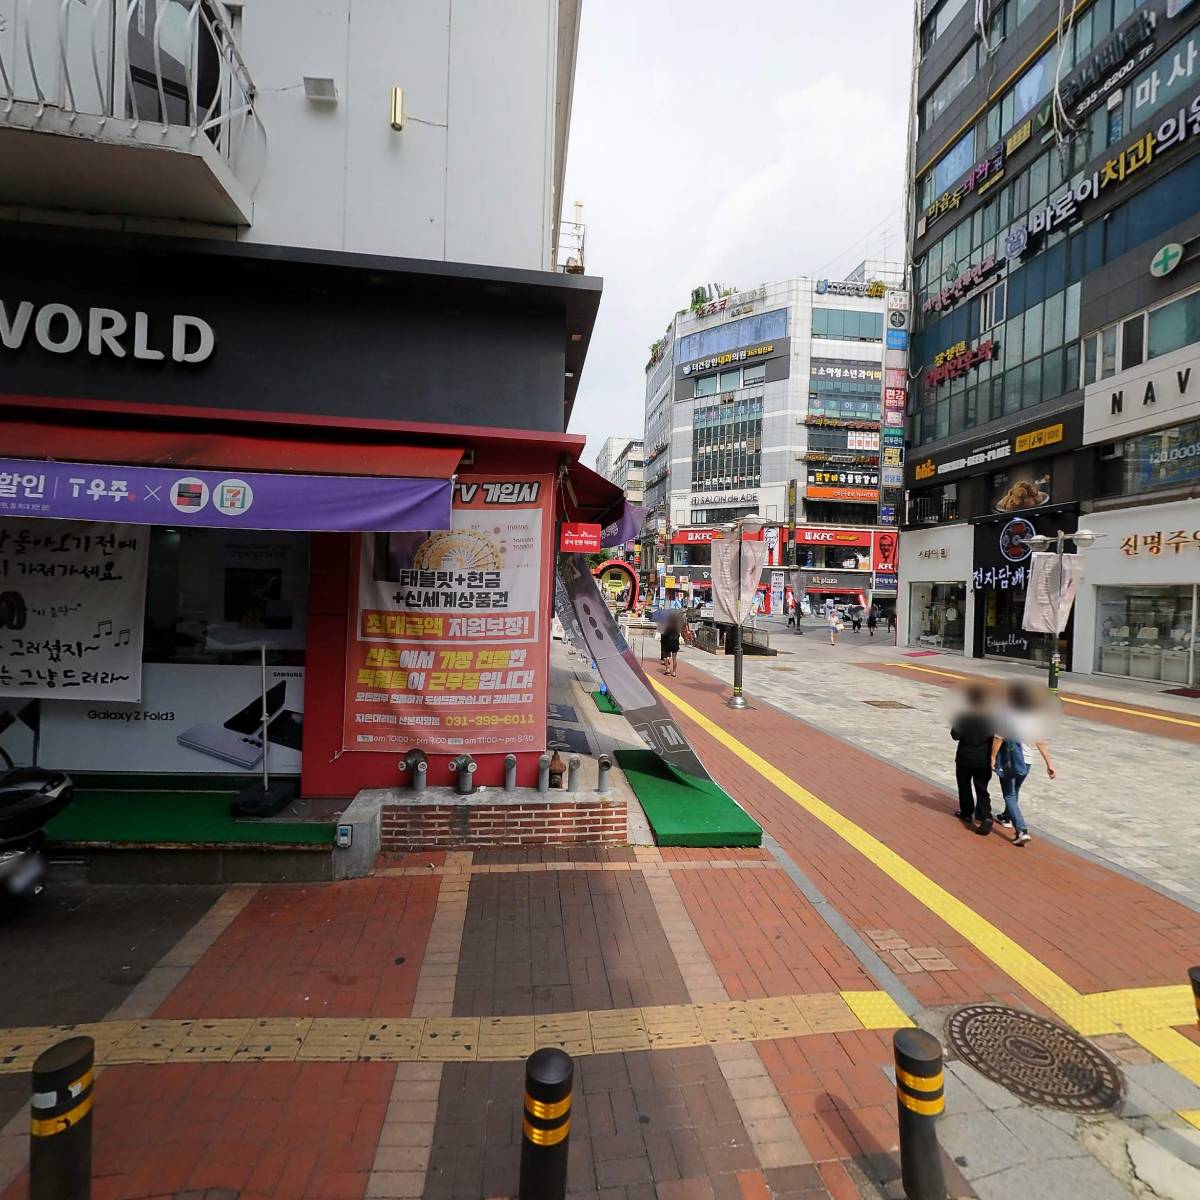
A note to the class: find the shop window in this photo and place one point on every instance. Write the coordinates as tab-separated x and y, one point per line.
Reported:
937	615
1108	351
1133	334
1146	632
216	597
1166	458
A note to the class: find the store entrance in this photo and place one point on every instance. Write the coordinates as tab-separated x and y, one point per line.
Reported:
1002	635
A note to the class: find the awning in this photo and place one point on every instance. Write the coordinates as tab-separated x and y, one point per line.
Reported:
220	499
590	497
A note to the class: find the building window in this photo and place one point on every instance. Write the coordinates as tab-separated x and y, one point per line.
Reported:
937	615
1133	335
749	331
1145	632
1174	326
992	306
1164	459
948	88
847	324
939	22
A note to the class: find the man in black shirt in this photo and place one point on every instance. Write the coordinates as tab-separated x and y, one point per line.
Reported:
972	730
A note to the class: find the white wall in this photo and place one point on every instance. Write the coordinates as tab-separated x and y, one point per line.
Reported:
958	543
468	179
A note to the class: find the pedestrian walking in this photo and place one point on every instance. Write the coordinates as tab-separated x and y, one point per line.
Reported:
790	607
669	643
834	623
891	620
856	616
872	619
1020	733
974	730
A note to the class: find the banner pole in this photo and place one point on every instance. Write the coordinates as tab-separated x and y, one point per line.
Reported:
266	720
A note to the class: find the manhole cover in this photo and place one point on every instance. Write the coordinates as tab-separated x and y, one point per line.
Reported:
886	704
1034	1058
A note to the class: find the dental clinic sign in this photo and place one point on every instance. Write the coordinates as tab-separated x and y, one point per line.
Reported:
99	332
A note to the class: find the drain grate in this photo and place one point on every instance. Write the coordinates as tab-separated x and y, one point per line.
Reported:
887	704
1034	1058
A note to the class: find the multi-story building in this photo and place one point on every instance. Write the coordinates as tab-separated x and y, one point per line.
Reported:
628	471
1055	241
280	319
767	402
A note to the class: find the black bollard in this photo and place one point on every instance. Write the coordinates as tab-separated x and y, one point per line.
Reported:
1194	976
920	1098
549	1077
60	1133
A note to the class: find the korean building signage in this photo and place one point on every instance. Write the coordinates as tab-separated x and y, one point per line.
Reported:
1019	136
1175	540
844	368
737	304
958	360
851	484
831	287
1108	67
728	357
896	398
970	279
893	456
933	552
1169	76
838	581
1150	396
980	178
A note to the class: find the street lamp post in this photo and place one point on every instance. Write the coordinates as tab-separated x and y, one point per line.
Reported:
753	524
1040	541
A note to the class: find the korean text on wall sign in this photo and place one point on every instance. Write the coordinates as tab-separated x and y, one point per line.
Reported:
730	356
1168	76
980	178
831	287
952	293
829	369
958	360
1174	131
1036	439
1002	577
1153	543
1113	60
936	552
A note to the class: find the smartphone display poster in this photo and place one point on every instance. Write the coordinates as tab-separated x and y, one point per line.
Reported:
72	595
447	650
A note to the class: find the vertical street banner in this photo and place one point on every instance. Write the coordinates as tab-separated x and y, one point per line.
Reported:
447	651
593	632
72	603
736	567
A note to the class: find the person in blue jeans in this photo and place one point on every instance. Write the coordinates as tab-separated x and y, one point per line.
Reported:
1012	755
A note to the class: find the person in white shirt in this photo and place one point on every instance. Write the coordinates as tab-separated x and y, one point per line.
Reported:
1021	730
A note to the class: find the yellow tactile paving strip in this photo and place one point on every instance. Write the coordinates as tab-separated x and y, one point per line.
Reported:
461	1039
1144	1014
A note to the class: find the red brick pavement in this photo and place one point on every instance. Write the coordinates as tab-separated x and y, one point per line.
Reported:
763	936
315	950
1097	929
292	1131
1083	711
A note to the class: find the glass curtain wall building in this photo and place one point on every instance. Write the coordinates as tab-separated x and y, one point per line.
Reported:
1054	207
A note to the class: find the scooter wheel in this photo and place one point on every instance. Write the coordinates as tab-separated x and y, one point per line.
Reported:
13	613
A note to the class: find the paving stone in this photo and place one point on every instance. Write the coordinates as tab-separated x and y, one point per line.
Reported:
1042	1141
991	1094
979	1143
1166	1085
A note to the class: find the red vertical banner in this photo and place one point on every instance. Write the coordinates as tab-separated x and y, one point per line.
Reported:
448	646
884	544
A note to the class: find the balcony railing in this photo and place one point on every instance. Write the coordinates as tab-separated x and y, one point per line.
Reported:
132	73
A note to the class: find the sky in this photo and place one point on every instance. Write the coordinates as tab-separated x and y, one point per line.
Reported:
738	143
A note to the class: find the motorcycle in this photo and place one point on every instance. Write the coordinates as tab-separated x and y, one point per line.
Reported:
29	798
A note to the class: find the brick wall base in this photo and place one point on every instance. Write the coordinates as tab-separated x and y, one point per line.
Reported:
445	826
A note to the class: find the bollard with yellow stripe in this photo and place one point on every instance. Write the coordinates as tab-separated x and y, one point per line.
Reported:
60	1128
549	1080
920	1098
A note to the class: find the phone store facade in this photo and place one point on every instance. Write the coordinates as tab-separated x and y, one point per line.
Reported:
209	448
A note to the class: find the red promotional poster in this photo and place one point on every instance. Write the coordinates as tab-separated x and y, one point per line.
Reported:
883	556
448	651
578	537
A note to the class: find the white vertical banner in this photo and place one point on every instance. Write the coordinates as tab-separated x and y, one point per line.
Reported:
72	603
736	567
1049	595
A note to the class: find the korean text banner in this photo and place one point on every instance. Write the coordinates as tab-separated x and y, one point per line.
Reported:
72	596
447	651
593	632
219	500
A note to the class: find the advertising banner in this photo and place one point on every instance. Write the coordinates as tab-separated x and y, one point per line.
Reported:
216	500
579	537
736	568
1050	593
72	599
192	719
884	555
447	652
594	633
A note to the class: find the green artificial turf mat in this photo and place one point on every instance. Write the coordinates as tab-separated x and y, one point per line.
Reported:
605	703
189	817
697	813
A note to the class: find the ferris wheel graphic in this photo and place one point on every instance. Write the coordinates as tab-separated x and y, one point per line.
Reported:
459	549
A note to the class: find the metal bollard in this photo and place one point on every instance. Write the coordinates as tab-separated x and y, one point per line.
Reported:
544	773
60	1131
1194	976
510	772
573	774
549	1078
920	1098
602	769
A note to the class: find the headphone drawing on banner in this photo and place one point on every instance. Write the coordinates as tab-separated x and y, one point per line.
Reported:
13	613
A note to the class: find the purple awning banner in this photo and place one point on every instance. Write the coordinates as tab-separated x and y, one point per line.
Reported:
625	528
222	499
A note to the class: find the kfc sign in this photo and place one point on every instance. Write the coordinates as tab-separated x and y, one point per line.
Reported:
695	537
883	552
833	537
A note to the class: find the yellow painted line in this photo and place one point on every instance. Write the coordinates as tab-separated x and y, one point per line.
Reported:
1117	708
464	1039
1089	1015
1191	1116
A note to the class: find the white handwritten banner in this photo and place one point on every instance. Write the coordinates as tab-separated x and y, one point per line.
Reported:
72	596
